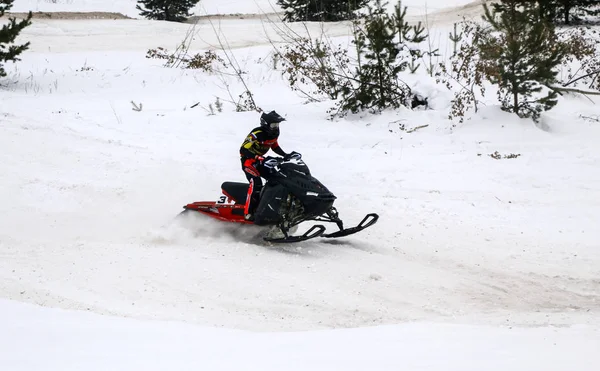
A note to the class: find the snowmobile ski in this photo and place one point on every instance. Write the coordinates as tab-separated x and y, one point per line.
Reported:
314	231
348	231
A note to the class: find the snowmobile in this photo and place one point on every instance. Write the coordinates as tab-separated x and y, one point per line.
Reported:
290	196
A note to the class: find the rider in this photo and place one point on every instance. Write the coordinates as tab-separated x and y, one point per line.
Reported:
255	146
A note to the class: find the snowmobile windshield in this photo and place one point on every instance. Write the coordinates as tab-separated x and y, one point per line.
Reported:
295	166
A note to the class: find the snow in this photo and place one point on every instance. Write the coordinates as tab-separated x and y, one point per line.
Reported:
65	340
475	263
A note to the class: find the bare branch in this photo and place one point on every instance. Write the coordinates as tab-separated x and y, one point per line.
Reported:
233	63
136	107
573	90
417	128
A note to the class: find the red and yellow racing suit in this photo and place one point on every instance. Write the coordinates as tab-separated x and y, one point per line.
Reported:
255	146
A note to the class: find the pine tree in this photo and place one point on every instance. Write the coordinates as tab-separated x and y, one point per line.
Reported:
8	34
320	10
521	56
166	10
568	11
377	48
383	51
579	8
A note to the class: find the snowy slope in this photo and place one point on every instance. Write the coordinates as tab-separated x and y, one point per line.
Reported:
465	243
127	7
141	35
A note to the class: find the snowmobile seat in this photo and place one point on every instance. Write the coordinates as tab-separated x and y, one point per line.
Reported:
235	190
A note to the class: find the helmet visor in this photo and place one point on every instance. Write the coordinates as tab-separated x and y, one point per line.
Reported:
274	125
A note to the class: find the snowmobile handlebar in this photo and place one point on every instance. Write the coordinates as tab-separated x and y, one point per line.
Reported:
273	161
293	155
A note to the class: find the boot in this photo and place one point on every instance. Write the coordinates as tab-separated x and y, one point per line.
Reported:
251	207
252	200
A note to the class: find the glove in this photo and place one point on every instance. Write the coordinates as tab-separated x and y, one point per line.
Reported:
292	155
259	158
271	163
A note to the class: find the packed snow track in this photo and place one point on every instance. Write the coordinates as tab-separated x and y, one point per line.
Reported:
90	188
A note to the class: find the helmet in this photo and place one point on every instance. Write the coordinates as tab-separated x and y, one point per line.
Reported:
270	122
